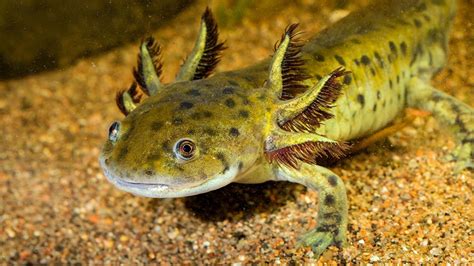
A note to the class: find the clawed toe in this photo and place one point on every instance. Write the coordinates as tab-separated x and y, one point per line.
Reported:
320	241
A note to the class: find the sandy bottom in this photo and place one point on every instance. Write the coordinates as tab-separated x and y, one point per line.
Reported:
406	205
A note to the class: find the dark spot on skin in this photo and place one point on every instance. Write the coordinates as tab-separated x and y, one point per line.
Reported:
347	79
234	132
418	23
186	105
149	172
356	61
435	35
398	79
241	165
418	51
246	101
210	131
157	125
333	215
319	57
403	48
191	131
437	97
122	153
374	108
318	77
379	59
321	228
403	22
356	41
230	103
430	56
244	113
421	7
373	72
427	18
193	92
207	114
393	48
340	60
221	157
390	83
378	95
166	145
332	179
454	106
365	60
329	200
228	90
361	99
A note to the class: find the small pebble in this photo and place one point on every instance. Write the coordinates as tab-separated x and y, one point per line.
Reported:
374	258
436	251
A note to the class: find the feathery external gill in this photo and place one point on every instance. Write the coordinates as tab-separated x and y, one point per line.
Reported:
310	118
141	74
213	48
292	66
127	99
308	152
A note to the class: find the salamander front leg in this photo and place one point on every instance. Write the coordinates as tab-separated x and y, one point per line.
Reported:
332	214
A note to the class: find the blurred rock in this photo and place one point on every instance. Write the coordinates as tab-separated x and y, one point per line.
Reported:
41	35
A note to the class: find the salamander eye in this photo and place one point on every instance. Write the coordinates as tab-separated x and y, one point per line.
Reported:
185	149
114	131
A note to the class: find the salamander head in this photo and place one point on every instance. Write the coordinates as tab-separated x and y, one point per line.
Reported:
190	136
184	143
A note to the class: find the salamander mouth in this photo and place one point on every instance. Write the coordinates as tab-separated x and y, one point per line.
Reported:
138	185
137	188
160	190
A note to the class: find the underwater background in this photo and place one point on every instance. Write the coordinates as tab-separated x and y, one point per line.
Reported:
60	67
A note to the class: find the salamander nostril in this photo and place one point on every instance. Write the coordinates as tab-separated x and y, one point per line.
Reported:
149	172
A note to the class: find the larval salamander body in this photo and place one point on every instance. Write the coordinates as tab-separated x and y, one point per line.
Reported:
281	118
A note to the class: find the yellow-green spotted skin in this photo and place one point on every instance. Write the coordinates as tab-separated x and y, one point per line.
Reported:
392	48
